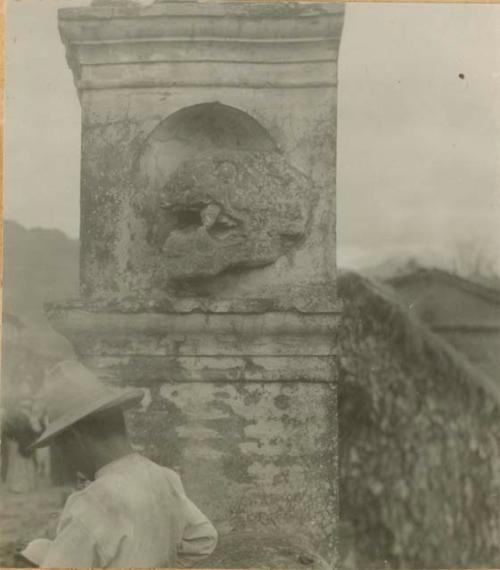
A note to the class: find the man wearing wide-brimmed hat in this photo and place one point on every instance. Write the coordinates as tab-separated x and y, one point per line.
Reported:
134	513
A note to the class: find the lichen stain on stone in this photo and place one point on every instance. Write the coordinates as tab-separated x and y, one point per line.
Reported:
154	431
251	370
226	373
247	448
264	473
202	452
282	401
247	431
197	433
221	394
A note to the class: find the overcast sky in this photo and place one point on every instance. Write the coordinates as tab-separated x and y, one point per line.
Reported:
418	138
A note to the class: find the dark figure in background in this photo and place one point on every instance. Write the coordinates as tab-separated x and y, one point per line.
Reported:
19	433
4	447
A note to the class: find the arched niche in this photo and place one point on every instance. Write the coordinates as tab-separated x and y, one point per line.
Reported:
195	129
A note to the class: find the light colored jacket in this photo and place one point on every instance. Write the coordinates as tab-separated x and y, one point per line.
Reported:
134	515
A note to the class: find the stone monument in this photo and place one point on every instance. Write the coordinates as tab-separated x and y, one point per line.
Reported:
208	273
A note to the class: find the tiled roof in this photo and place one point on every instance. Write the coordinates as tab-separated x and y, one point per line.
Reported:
486	292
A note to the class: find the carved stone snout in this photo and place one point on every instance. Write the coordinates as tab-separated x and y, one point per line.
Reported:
233	209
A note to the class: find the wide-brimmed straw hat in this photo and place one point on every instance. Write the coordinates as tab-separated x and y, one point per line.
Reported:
75	393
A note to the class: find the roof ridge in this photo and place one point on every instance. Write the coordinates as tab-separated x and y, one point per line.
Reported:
481	289
418	340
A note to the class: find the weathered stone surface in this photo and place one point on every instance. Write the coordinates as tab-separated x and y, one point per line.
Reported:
195	334
234	209
255	456
122	242
243	405
162	83
208	271
419	442
253	550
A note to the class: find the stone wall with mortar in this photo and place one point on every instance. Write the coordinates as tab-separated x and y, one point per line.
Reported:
419	442
482	347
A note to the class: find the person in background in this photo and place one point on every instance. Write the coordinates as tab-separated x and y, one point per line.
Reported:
19	434
5	444
42	454
134	513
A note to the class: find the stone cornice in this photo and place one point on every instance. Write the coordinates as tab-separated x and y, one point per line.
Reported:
195	44
211	9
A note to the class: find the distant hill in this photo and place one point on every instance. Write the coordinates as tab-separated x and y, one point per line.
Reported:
39	265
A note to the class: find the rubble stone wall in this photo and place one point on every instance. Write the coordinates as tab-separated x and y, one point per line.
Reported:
419	443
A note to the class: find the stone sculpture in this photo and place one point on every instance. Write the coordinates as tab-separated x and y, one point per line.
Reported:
207	258
234	210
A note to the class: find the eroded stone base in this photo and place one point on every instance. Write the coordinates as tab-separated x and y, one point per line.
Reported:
243	406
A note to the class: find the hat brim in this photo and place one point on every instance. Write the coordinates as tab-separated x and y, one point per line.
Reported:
124	401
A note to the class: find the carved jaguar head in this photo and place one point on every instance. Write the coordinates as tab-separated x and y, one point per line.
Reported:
233	209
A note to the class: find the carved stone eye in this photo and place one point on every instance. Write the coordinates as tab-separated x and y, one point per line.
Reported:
188	218
183	217
226	171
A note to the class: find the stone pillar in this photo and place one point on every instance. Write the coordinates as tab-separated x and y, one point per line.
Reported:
208	272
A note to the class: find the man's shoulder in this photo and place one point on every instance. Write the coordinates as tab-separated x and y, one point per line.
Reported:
117	484
101	507
153	465
86	501
166	472
97	512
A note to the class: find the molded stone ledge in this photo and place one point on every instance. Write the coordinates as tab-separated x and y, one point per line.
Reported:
208	73
300	17
196	334
320	304
206	21
204	49
246	325
112	10
147	370
246	27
